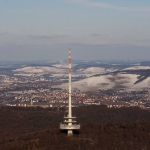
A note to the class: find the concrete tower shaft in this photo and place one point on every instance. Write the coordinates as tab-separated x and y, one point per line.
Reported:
70	123
70	71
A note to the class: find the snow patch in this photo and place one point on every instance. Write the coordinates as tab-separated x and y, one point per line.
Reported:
92	70
63	65
138	68
40	69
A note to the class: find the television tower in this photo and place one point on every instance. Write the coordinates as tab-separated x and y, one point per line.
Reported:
69	123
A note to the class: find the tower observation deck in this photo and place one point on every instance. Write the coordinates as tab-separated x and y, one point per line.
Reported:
69	123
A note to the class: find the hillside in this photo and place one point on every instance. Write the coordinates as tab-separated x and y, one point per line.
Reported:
101	128
85	77
111	81
130	78
39	69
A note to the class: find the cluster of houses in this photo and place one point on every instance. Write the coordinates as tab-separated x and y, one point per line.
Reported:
59	98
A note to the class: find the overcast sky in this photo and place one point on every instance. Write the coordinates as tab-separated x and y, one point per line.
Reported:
94	29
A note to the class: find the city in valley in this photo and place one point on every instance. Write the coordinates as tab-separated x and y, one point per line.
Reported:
45	84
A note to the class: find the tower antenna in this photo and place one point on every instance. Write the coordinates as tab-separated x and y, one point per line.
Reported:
70	123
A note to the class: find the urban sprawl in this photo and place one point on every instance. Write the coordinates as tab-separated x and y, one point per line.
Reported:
43	94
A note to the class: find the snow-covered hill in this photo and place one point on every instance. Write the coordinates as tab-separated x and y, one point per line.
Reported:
40	69
92	70
143	84
138	68
93	78
62	65
58	70
118	81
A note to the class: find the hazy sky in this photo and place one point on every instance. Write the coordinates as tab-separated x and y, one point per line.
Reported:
94	29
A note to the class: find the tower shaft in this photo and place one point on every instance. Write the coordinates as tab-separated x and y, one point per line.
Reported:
70	71
69	124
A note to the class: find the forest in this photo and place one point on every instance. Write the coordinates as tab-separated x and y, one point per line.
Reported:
102	128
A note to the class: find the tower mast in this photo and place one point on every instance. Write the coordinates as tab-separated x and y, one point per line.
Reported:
70	107
70	123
